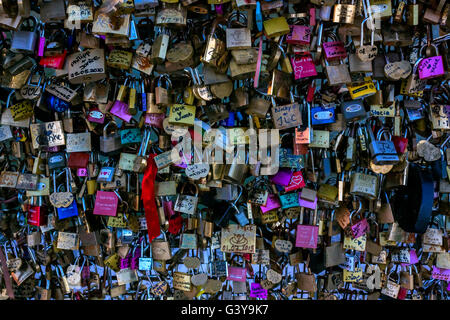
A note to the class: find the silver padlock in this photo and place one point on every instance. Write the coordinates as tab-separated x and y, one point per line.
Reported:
25	41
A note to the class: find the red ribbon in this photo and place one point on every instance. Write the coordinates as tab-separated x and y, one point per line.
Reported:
148	197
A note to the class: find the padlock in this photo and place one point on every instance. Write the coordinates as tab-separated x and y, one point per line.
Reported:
25	41
344	13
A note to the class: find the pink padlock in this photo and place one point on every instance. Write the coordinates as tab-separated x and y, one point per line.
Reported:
307	236
237	274
334	50
125	262
155	119
300	35
95	115
119	109
282	177
81	172
431	67
168	208
272	203
440	274
303	66
360	228
106	203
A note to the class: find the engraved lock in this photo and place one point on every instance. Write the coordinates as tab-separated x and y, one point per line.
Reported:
364	185
344	13
238	38
215	52
383	152
25	41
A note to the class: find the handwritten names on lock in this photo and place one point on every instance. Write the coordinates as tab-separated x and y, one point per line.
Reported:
431	67
170	16
166	158
238	239
287	116
182	114
283	246
360	228
47	134
86	66
106	203
80	12
182	281
367	53
334	50
238	38
289	200
353	276
197	171
401	256
257	291
433	236
186	204
381	111
22	110
61	92
358	244
120	59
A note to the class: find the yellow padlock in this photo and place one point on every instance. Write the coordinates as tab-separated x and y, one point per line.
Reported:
276	27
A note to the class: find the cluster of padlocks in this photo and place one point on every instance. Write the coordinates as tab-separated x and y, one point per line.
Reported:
224	150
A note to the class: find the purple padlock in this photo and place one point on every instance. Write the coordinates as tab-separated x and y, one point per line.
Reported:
360	228
219	9
257	291
155	119
119	109
431	67
272	203
283	177
135	259
125	263
307	204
